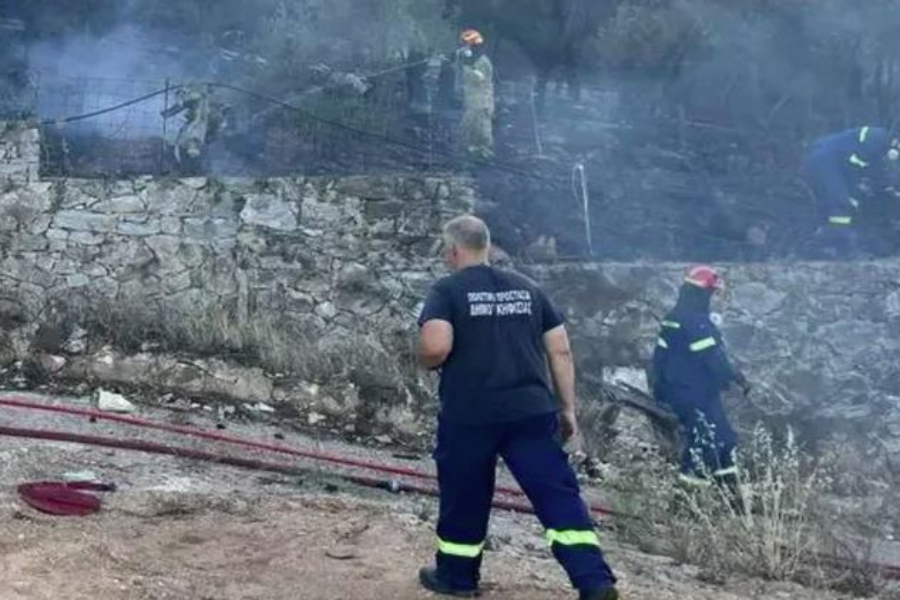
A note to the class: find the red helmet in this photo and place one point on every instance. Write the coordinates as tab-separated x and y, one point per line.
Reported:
705	277
471	37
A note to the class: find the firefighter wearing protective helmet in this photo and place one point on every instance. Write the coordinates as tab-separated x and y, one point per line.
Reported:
471	37
476	126
690	371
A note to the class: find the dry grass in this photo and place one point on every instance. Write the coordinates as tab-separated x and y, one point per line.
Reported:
773	523
767	525
764	525
275	344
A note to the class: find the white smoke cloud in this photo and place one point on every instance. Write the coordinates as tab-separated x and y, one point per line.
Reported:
81	74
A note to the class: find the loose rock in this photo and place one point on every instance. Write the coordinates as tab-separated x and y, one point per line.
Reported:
112	402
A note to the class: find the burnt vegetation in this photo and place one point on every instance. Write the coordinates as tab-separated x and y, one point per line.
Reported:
689	116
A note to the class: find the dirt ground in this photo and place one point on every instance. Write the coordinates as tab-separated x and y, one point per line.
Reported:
182	530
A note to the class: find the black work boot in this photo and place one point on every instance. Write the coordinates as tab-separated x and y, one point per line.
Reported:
428	577
608	593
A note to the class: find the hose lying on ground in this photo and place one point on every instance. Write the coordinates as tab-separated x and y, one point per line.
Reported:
229	439
222	459
888	571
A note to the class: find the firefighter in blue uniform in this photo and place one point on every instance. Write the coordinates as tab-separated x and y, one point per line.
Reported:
493	335
690	371
834	169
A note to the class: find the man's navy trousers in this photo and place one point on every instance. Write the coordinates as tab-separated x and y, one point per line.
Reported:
466	457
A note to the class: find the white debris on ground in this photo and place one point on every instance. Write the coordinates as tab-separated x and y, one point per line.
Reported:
112	402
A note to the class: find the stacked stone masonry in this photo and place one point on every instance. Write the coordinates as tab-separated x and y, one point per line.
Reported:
20	153
351	258
291	242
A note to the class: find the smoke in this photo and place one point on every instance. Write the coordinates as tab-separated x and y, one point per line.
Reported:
136	48
126	53
748	67
698	156
80	74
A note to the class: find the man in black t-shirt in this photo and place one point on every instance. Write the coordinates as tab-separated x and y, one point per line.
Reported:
493	335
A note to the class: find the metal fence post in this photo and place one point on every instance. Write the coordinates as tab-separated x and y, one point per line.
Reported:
165	121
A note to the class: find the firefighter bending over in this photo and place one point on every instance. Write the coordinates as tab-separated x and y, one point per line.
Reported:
835	169
202	120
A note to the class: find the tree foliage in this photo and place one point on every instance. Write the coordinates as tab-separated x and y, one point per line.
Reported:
54	18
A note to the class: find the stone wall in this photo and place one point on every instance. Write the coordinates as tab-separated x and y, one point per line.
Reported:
332	268
290	244
335	268
20	153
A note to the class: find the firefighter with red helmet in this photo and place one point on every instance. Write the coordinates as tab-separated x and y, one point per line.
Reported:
690	371
471	37
477	126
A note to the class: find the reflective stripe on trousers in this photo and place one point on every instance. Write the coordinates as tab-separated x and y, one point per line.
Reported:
463	550
572	537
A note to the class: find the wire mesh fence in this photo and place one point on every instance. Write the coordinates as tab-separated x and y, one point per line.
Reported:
689	187
128	140
116	128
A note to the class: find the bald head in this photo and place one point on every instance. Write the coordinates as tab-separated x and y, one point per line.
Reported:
468	241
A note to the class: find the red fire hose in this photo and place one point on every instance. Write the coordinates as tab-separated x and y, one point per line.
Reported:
887	570
229	439
246	463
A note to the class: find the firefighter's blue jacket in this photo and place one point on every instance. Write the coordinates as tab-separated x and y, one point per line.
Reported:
836	164
690	370
689	361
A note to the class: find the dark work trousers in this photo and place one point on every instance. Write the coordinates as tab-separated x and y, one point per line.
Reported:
709	439
837	235
466	457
